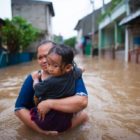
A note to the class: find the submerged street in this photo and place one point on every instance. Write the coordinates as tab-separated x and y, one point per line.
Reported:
114	101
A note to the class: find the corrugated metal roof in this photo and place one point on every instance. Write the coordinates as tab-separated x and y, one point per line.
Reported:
86	22
89	23
130	18
2	22
134	5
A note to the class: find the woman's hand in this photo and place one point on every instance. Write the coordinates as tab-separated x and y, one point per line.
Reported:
43	108
35	75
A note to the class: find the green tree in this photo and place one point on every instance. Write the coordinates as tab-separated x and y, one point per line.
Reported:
58	39
70	42
18	34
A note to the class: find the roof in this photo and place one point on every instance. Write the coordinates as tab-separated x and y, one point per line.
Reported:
130	18
48	3
134	5
88	22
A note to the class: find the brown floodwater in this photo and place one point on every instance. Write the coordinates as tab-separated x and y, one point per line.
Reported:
113	108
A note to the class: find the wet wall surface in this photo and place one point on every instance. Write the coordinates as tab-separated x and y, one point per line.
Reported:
113	108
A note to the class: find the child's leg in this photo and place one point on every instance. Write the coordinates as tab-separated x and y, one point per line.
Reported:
24	116
79	118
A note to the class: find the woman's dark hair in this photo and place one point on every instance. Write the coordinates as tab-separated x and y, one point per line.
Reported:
44	42
65	52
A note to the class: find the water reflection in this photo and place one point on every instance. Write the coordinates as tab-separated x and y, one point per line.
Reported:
113	108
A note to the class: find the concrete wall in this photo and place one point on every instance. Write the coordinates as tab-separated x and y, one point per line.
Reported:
38	15
34	13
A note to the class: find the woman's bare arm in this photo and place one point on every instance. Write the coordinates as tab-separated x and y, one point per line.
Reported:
71	104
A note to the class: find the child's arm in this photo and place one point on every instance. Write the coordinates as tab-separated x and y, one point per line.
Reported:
35	77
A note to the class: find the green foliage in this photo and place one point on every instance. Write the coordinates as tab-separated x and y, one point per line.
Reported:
70	42
58	39
18	34
108	11
114	3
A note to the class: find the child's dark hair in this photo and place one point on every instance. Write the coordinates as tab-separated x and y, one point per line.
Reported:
65	52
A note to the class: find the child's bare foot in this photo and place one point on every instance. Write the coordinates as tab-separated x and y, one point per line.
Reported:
83	69
51	133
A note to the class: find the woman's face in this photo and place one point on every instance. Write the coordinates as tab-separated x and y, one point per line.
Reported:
42	55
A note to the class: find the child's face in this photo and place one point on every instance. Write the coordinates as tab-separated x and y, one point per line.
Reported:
54	65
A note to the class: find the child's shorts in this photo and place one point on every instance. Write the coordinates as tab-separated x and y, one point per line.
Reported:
54	120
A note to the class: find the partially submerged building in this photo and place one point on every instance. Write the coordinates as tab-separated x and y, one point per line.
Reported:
87	30
118	31
117	34
132	31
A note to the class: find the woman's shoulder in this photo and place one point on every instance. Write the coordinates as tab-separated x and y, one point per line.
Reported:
35	72
28	77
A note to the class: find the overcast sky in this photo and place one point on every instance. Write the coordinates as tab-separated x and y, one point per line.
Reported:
67	13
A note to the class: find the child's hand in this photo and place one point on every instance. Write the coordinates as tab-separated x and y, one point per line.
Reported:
35	76
43	108
36	100
82	69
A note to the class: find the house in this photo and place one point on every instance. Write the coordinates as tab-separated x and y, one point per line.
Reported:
2	23
87	32
87	29
38	13
3	51
131	23
111	35
119	31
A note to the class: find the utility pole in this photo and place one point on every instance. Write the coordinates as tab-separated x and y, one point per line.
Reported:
92	26
103	7
100	32
127	37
